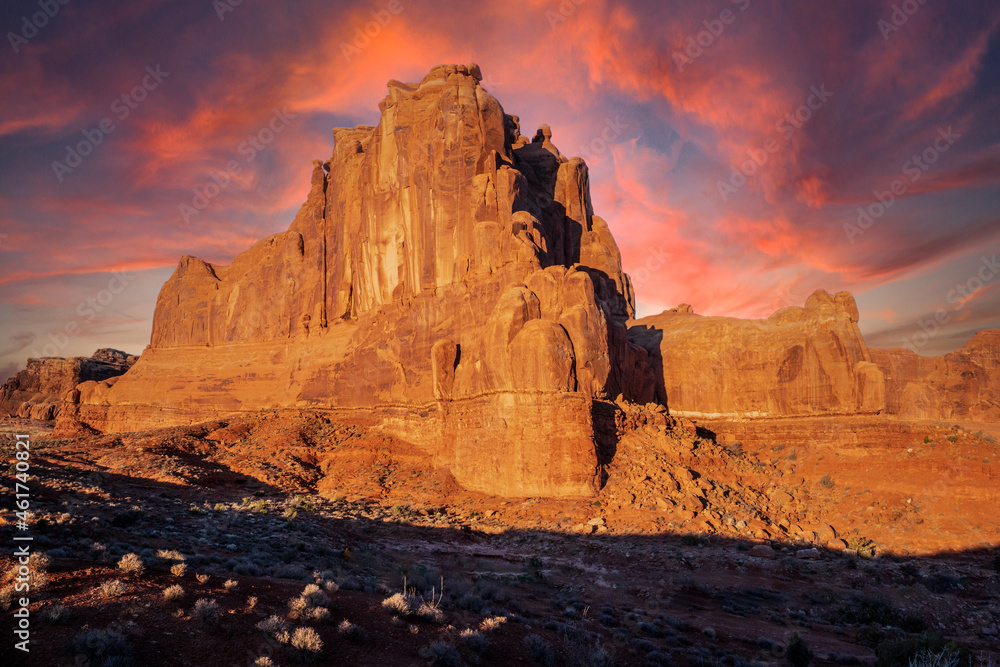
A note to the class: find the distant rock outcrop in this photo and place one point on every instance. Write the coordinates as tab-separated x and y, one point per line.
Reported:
811	361
37	391
799	361
964	384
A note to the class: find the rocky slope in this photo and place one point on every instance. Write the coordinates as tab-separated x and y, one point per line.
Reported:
37	391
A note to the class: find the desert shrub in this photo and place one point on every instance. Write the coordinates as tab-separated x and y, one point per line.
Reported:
943	658
178	569
871	636
317	614
307	643
940	583
131	564
474	639
202	578
492	623
658	659
127	518
39	562
798	653
55	614
599	657
206	611
826	482
102	647
399	604
170	554
6	598
297	607
539	650
315	596
691	540
353	633
230	585
38	565
251	602
263	661
868	609
171	593
441	654
865	547
430	612
900	652
272	625
331	587
113	589
771	645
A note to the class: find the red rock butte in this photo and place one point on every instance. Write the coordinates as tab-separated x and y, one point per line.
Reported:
448	278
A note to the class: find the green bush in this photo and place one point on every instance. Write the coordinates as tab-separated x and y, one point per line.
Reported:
798	652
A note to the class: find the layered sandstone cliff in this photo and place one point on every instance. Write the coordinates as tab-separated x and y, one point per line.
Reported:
960	385
799	361
37	391
445	272
811	361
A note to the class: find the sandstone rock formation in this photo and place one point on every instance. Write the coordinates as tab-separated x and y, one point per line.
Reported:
811	361
444	273
799	361
37	391
448	279
964	384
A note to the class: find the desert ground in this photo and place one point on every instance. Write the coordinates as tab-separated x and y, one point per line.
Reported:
165	546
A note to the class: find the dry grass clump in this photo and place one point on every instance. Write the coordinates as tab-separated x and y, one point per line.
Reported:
307	642
399	604
202	578
178	569
171	593
492	623
113	589
131	564
55	614
402	605
311	605
273	626
230	585
38	577
170	554
6	598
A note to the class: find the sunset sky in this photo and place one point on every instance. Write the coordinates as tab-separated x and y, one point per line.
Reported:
663	99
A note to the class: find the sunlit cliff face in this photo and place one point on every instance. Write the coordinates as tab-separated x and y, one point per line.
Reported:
744	153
